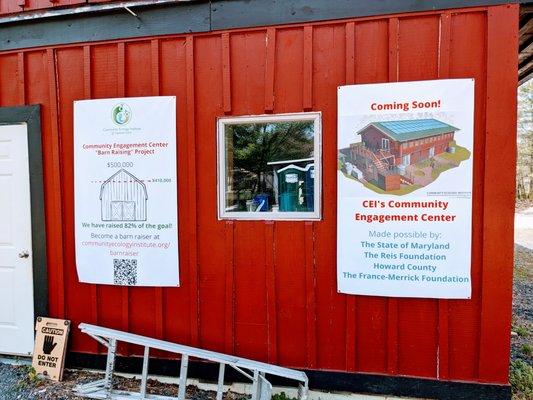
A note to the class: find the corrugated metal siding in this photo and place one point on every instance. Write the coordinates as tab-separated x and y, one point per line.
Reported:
267	290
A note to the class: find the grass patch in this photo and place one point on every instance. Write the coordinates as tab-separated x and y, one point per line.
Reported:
29	379
422	164
521	379
521	273
521	330
461	154
527	349
282	396
400	192
523	265
439	169
419	173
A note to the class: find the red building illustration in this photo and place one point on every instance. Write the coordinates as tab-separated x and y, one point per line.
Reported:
388	148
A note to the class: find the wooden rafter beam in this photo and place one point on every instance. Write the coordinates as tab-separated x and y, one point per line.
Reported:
526	30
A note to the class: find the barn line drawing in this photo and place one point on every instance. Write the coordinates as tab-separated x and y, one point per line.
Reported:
123	197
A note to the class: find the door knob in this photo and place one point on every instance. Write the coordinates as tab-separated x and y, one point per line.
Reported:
24	254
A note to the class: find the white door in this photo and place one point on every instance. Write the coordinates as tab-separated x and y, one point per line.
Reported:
16	272
406	160
432	152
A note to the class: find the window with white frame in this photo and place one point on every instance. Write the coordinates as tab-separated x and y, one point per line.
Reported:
269	167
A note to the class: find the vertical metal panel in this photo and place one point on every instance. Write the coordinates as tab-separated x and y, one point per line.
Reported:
124	290
310	285
229	312
70	86
272	310
250	306
9	67
158	292
11	6
371	66
104	83
87	94
351	301
392	303
138	81
210	239
246	52
329	43
54	179
21	72
30	5
270	48
418	44
444	71
268	290
289	257
468	59
501	111
226	72
308	68
309	233
194	291
180	303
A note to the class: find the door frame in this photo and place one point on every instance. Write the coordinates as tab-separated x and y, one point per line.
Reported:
31	115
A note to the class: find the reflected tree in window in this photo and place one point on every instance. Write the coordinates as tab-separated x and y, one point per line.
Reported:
249	149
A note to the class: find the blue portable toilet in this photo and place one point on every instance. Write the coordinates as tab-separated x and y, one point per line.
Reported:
310	187
296	188
290	180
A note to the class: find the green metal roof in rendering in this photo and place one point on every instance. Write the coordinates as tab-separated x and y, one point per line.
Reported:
411	129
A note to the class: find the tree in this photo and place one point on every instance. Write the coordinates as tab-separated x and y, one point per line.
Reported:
524	167
250	147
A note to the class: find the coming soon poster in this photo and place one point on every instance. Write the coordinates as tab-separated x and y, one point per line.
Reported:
405	157
126	191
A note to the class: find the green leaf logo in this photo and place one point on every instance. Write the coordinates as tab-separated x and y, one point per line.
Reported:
121	114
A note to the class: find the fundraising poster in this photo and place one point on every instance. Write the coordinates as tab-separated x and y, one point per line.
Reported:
405	188
126	191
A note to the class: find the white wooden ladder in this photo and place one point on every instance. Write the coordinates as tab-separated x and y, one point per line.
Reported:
254	370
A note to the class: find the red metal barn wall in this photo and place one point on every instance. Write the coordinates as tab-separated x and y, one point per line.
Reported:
267	290
16	6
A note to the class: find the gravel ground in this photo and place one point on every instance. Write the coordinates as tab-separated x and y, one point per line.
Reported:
522	305
18	383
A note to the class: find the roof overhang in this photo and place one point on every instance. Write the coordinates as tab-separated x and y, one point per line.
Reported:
525	43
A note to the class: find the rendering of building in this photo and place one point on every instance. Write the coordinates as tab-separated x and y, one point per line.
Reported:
388	148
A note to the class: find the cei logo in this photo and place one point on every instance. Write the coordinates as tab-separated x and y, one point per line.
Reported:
121	114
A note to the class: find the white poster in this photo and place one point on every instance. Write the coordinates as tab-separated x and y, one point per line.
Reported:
405	189
126	191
